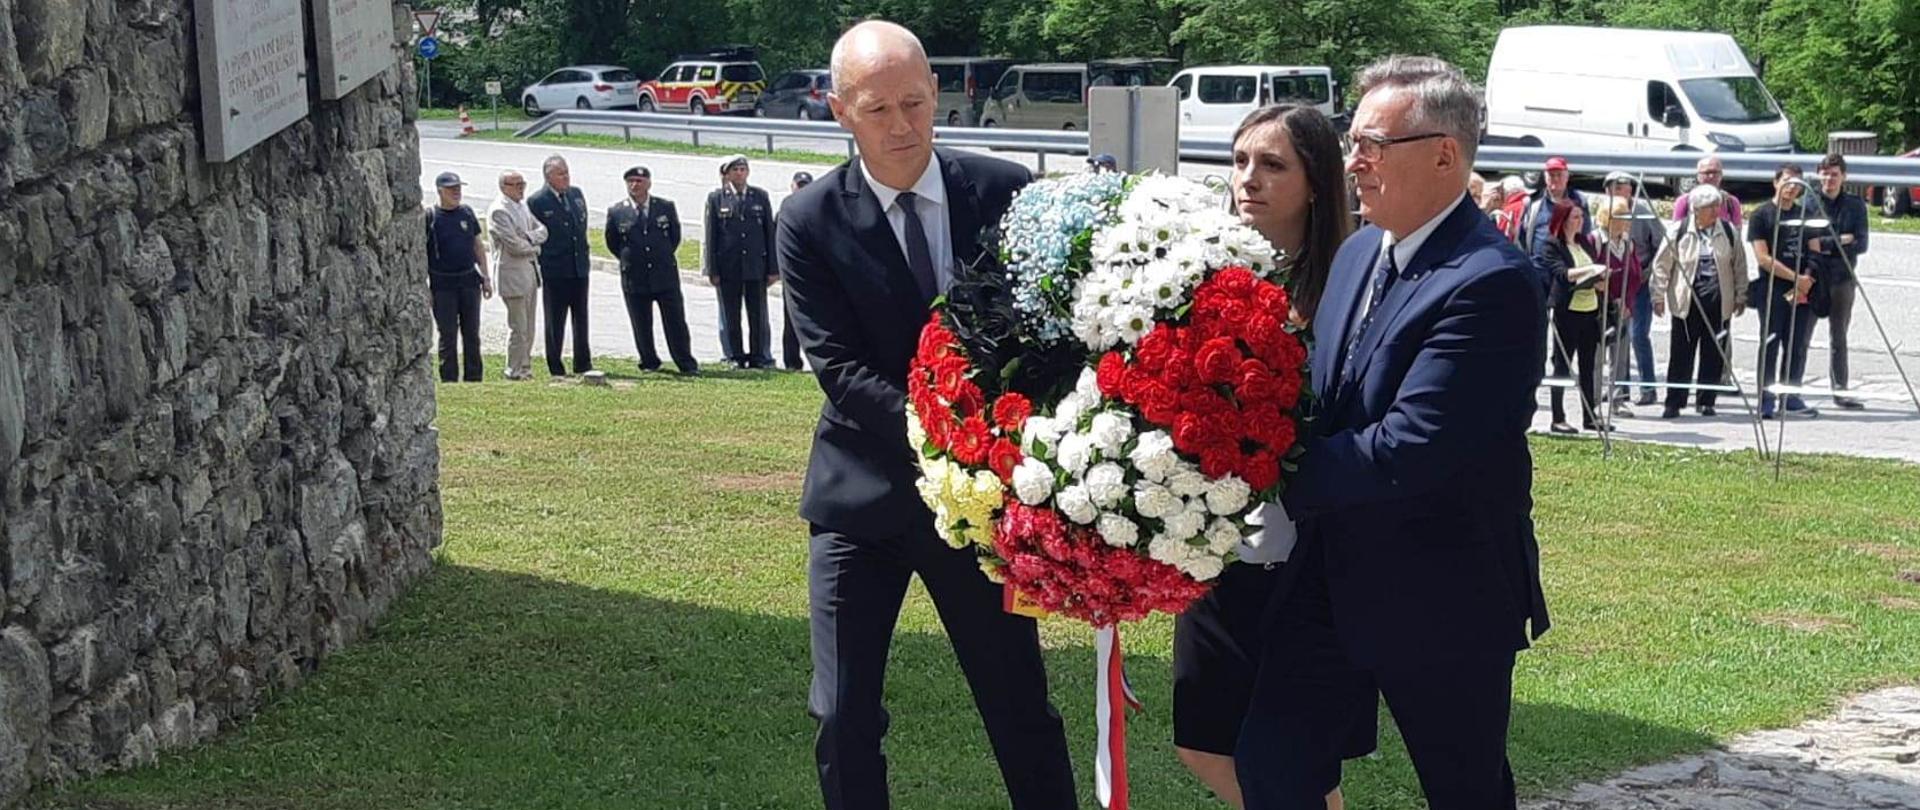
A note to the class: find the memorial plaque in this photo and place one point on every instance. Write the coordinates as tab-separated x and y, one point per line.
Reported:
253	72
355	40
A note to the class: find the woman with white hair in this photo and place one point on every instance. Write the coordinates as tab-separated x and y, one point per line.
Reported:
1700	276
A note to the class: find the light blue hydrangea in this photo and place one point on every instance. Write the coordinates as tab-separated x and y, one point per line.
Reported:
1039	230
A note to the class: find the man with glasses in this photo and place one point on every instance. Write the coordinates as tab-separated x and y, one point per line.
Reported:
517	237
1430	343
1836	254
1709	172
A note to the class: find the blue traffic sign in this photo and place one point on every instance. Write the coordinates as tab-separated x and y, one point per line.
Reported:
429	47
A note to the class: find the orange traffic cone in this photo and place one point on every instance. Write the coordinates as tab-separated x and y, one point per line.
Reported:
466	122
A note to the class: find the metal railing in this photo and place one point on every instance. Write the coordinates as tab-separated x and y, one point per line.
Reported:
1653	166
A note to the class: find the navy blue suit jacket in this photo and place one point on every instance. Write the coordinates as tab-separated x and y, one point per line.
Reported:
1416	479
857	312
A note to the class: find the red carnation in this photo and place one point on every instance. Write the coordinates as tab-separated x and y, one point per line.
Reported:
1193	435
1217	360
971	440
1219	461
1256	385
1002	458
1011	410
1237	282
1261	470
1111	374
1157	402
1155	347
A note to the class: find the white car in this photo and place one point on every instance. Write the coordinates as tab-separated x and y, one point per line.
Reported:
1214	100
582	87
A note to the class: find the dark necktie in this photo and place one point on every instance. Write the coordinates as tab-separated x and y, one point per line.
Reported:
1384	272
919	257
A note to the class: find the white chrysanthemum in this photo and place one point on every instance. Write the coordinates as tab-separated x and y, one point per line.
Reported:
1130	321
1154	501
1227	496
1033	481
1186	481
1187	523
1076	452
1076	504
1106	484
1118	531
1153	455
1222	536
1110	431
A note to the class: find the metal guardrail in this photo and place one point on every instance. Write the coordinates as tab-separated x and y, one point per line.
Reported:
1654	166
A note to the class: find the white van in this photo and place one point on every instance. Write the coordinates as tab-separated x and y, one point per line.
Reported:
1622	89
1213	100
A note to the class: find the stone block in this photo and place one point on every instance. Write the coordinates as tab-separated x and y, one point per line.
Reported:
25	710
84	104
124	364
13	403
52	36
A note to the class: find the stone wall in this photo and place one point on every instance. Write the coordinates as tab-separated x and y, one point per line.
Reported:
217	464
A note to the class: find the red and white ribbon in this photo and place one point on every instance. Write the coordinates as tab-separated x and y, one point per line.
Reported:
1113	696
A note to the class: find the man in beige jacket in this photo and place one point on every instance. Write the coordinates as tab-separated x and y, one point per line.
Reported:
516	244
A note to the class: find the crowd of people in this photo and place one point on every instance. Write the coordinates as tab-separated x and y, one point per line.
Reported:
534	252
1612	266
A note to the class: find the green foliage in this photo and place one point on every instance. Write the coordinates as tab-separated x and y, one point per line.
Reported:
1833	64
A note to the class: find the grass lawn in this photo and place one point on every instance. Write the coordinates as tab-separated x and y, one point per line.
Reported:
482	114
618	620
639	144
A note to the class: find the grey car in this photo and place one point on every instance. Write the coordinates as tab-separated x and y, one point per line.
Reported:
798	94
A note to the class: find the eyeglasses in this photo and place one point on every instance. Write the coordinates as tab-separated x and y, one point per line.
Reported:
1369	147
1710	172
516	183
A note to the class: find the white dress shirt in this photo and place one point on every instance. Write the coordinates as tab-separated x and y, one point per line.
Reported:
1403	252
931	189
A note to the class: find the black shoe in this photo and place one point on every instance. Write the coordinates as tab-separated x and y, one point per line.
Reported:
1670	413
690	371
1848	404
1563	428
1707	410
741	365
1646	398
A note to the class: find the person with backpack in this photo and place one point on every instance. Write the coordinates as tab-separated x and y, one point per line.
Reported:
1700	275
457	275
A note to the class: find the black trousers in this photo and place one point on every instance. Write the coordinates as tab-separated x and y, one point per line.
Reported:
790	345
751	296
456	316
1694	337
1576	338
673	322
855	587
1453	713
561	296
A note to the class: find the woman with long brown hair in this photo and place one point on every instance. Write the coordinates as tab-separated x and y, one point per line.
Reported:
1289	184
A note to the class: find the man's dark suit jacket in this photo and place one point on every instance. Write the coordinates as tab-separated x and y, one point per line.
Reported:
565	254
1417	476
858	314
645	245
739	235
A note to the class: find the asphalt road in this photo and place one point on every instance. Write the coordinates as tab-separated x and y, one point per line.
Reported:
1889	272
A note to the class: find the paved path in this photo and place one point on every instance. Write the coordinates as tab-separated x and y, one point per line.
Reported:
1866	756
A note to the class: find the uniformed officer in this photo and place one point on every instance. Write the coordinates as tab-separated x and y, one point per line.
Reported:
563	264
740	263
644	231
457	276
789	342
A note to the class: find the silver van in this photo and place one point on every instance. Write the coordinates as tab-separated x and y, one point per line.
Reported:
964	82
1054	96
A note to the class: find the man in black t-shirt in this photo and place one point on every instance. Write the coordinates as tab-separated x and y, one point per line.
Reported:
1783	291
1836	252
457	274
